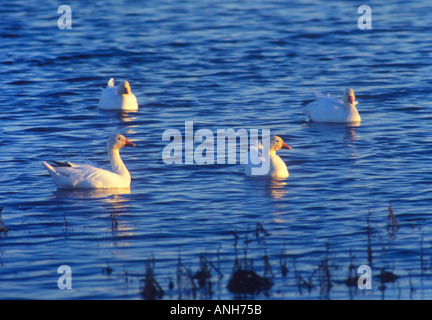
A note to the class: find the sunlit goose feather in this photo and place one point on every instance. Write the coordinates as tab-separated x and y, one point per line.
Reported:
118	98
73	176
328	109
276	166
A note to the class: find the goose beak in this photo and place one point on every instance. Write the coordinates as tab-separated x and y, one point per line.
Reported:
351	99
129	144
285	146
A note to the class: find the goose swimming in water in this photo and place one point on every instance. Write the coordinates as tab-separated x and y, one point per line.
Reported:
118	98
70	176
328	109
276	166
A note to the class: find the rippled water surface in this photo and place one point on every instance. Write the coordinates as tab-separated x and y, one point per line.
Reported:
221	64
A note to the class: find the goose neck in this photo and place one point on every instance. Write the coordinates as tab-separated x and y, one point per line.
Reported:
117	163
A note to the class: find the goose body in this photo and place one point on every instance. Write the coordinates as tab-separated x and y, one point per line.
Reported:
328	109
118	98
85	176
268	166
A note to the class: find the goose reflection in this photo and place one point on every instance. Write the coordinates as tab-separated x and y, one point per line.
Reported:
277	188
325	126
90	193
112	200
350	138
350	135
336	131
125	116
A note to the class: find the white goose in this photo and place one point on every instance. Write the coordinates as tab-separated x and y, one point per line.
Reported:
118	98
275	168
328	109
73	176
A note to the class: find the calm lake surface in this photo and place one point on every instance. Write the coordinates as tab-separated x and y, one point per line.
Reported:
221	64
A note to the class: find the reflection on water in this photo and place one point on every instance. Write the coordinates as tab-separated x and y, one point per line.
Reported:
337	131
112	200
90	193
123	116
277	188
120	226
350	135
126	116
327	125
225	67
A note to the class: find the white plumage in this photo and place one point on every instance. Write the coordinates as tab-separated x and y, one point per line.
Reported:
271	166
76	176
328	109
118	98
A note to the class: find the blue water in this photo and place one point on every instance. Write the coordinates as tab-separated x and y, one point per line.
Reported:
222	64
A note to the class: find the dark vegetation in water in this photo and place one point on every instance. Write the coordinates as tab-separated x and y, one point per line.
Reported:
244	280
3	228
151	289
248	281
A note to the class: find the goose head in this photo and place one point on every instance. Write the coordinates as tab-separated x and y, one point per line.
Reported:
349	97
277	144
118	141
124	88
